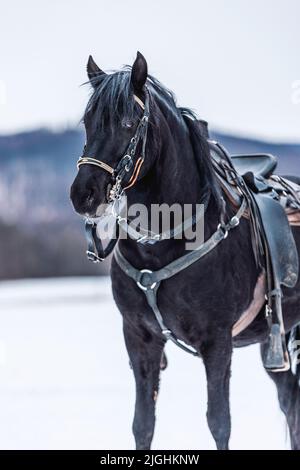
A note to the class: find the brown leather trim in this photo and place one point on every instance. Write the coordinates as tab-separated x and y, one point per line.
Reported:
135	173
293	218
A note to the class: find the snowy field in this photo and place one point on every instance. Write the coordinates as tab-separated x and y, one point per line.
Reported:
65	382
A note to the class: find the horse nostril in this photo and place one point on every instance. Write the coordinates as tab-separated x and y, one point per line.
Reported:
85	196
90	197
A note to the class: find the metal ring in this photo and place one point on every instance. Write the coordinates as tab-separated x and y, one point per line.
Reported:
224	230
144	288
129	163
234	222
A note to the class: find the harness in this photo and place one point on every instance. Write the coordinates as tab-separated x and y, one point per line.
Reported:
149	281
255	199
123	177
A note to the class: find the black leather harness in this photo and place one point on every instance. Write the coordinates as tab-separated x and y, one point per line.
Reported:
149	281
274	250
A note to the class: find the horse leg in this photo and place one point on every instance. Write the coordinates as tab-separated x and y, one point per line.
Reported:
217	361
288	390
163	362
145	354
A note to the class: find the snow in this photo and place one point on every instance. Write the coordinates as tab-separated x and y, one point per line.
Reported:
65	382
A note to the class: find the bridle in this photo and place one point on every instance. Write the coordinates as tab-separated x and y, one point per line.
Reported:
126	173
123	177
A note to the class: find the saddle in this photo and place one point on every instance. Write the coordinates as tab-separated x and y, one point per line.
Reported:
273	208
261	165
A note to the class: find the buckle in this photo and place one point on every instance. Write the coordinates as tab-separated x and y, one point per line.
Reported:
139	283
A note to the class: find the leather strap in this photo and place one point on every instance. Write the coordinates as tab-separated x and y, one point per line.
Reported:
139	101
95	251
152	302
149	281
93	161
147	237
184	261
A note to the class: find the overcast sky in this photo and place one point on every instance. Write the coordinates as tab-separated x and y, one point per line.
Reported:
236	62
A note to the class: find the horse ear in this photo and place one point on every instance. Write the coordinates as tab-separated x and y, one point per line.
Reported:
139	72
93	70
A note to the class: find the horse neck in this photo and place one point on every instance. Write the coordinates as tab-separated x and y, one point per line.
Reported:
174	177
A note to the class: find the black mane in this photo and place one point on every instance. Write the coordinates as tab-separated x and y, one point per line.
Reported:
112	100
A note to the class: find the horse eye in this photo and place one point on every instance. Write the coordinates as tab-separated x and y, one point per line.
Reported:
128	124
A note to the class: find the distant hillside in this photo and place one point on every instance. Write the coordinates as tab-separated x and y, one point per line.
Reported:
40	235
37	170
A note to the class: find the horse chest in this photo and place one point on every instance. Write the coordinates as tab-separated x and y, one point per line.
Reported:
193	302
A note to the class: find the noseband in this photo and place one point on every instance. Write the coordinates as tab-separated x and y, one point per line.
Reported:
121	172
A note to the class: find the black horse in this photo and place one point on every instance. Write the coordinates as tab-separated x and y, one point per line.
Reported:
200	304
